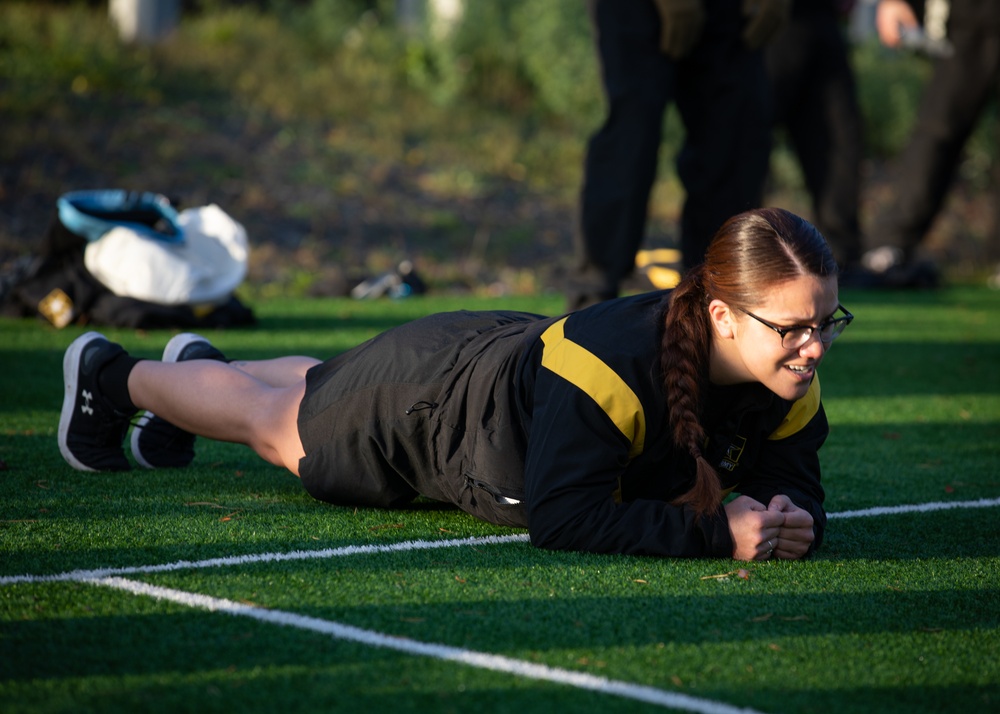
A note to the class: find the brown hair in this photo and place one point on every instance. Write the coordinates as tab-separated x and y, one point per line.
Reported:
750	254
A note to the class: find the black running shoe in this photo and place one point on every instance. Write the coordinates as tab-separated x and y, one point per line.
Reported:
91	431
156	443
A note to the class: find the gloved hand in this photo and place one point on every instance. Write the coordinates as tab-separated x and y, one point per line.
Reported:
764	19
681	22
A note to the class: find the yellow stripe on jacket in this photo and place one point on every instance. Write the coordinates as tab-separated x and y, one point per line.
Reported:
801	413
583	369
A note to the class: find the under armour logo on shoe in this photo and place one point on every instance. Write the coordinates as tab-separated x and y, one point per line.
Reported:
86	408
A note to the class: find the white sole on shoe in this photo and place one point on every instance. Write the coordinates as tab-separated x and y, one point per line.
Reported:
134	440
71	373
177	344
170	354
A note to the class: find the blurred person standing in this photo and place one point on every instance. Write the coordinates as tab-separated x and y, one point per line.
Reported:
964	79
814	97
704	55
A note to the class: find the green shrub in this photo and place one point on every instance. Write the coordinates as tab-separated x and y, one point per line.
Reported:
519	70
889	87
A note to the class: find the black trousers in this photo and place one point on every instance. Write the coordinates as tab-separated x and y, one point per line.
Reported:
720	93
960	88
815	101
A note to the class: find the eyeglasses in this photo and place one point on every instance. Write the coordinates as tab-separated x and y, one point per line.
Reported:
795	338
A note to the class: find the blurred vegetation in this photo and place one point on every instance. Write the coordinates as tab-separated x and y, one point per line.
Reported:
368	137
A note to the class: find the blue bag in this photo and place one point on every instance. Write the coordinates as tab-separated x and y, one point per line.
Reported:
91	214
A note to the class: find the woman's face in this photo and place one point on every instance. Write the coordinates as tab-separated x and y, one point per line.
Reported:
747	350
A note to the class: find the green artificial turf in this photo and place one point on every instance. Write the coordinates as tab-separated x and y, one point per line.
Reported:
895	613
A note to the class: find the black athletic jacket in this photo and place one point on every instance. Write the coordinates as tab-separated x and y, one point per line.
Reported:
600	467
557	424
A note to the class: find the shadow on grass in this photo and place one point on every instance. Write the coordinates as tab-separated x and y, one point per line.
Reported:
185	661
740	627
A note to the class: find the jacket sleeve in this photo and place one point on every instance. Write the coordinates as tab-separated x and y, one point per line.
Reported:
789	462
576	456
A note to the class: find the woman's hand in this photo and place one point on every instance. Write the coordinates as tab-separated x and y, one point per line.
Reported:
779	530
796	533
754	527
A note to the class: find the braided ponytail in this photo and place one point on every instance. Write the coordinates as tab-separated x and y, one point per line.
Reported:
750	254
684	361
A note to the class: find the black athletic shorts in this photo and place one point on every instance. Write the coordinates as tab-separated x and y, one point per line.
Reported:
404	414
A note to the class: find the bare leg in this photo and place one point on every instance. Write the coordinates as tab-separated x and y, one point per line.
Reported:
280	372
223	402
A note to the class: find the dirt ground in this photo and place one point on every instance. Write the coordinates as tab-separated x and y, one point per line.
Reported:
313	230
300	218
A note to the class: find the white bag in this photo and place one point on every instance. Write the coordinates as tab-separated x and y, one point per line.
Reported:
205	267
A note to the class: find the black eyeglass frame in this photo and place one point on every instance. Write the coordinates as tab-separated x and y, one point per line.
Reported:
845	320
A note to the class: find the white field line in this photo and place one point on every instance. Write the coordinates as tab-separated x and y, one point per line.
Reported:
481	660
78	575
916	508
